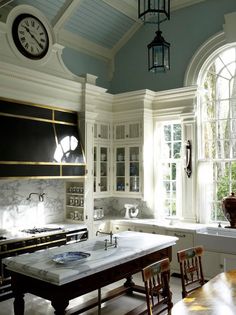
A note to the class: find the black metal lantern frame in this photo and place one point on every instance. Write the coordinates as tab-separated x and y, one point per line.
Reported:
154	11
158	54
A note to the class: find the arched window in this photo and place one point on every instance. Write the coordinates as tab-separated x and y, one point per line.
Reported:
217	133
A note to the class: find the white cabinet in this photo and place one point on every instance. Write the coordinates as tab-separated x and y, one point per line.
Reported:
227	262
149	229
186	240
128	171
74	208
101	159
211	264
101	162
101	131
127	131
119	227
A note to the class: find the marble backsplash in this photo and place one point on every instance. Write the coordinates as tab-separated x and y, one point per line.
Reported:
114	207
17	211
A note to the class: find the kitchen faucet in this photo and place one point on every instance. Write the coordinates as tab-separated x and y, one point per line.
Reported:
41	196
106	241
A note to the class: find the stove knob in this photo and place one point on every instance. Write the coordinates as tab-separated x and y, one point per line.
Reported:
4	248
38	241
23	243
48	238
43	239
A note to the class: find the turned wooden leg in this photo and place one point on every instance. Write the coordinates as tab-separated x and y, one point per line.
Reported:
60	306
19	304
129	281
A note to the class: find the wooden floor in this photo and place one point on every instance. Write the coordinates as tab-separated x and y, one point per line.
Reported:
118	306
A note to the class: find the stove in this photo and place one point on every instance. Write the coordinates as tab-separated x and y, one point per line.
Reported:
40	230
32	239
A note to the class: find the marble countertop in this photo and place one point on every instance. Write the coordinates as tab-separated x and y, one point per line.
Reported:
131	245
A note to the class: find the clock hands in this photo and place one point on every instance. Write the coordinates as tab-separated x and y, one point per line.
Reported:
32	35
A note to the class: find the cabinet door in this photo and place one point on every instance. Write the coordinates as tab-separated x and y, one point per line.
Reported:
227	262
211	264
101	169
185	241
127	169
128	131
120	228
101	131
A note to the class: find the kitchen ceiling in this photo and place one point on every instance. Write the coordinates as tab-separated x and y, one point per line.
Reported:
96	27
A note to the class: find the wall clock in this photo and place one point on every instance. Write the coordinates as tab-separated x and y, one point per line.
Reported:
30	36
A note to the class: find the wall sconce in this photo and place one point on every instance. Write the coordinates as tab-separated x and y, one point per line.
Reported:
41	196
188	156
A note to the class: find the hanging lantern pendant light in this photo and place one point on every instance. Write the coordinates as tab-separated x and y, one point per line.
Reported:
158	54
156	12
149	9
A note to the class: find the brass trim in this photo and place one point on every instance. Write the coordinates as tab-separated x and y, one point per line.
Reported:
38	119
33	246
41	163
37	105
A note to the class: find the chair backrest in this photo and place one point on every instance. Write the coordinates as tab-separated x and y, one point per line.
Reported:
156	279
191	269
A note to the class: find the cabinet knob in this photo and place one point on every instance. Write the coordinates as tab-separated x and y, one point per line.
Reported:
127	184
127	136
99	184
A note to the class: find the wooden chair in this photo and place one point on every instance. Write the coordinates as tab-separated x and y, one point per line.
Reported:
156	279
191	269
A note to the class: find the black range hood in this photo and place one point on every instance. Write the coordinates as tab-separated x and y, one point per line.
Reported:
39	142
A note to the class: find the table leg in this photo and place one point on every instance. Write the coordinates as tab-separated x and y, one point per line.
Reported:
19	304
129	281
60	306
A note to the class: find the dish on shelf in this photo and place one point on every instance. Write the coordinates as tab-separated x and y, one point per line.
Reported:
67	257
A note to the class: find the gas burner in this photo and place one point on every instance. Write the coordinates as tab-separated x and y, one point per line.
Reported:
2	238
40	230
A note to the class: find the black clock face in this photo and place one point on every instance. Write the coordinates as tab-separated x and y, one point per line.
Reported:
30	36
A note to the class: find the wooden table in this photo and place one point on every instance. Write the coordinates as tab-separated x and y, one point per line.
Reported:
216	297
59	295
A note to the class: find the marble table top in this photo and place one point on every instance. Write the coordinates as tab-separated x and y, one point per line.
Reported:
131	245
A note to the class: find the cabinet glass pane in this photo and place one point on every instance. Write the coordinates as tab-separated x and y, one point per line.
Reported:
95	169
120	184
103	169
103	185
134	169
134	184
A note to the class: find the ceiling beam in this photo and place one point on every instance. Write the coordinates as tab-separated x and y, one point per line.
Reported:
122	6
64	14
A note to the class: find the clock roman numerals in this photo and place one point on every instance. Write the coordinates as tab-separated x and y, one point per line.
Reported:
30	36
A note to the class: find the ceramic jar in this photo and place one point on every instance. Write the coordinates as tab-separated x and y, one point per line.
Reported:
229	209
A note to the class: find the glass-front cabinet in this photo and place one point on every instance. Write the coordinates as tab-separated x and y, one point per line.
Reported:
101	168
127	169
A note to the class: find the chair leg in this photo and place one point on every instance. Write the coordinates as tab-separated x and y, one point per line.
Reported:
99	301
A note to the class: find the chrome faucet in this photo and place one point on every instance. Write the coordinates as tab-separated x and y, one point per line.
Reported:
105	233
111	239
